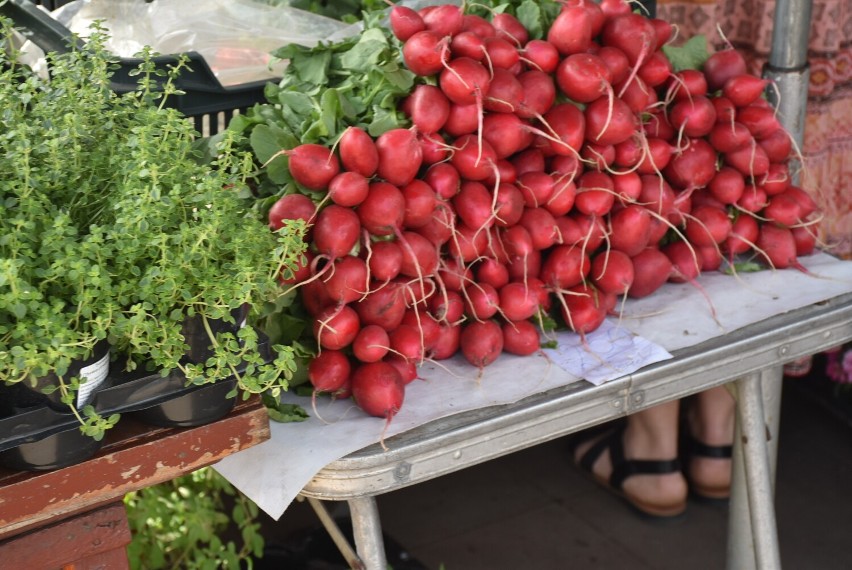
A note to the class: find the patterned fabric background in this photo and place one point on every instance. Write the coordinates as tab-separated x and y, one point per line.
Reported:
747	24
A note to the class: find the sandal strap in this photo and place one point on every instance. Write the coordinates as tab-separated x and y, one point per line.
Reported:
588	459
622	468
717	451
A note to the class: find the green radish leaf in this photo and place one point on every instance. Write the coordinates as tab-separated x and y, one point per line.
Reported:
529	14
690	55
287	413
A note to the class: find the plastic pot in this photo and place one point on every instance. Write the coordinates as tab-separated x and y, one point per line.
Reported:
198	339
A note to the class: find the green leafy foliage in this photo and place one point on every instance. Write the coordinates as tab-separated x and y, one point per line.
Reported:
196	521
691	55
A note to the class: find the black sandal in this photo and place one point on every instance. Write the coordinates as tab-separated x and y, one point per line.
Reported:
622	468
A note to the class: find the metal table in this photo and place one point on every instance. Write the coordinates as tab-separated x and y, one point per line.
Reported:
749	359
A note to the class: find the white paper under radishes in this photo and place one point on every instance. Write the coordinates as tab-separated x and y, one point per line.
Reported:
274	472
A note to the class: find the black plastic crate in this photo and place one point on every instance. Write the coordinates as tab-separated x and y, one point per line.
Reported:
205	99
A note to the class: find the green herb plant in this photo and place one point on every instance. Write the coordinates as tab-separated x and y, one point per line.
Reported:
113	228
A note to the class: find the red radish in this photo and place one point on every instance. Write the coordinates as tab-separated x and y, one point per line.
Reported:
291	207
314	297
481	342
441	227
508	26
468	244
777	145
616	61
760	121
657	156
384	306
378	389
686	84
707	226
492	272
517	241
336	327
753	200
693	167
656	69
744	89
505	93
329	371
518	302
805	239
541	225
613	8
595	194
539	94
776	180
627	187
468	44
807	205
592	229
384	260
628	153
447	307
663	30
463	119
336	231
783	209
612	272
473	159
750	160
419	255
428	108
726	111
634	35
583	309
383	211
525	267
312	165
444	179
506	133
583	77
727	186
348	189
464	81
416	292
444	19
744	230
721	66
563	197
686	265
406	341
433	147
571	31
400	156
529	160
710	258
501	53
657	195
347	280
777	246
631	229
565	266
651	269
454	274
424	53
609	122
508	205
729	136
405	22
637	95
568	123
536	188
542	55
420	203
521	338
656	124
481	301
696	116
358	152
478	26
448	342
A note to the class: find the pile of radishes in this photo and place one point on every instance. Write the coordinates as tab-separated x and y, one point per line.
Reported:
539	177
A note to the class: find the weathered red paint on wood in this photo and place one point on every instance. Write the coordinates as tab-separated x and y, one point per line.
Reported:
95	540
135	456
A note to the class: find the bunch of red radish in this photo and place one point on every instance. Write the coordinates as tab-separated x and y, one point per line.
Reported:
538	174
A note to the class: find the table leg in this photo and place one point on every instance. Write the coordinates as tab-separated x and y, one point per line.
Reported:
752	531
367	532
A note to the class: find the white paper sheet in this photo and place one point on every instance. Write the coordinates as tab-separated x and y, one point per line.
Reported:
274	472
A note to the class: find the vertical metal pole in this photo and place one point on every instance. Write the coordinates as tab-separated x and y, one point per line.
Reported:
753	479
367	531
788	69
